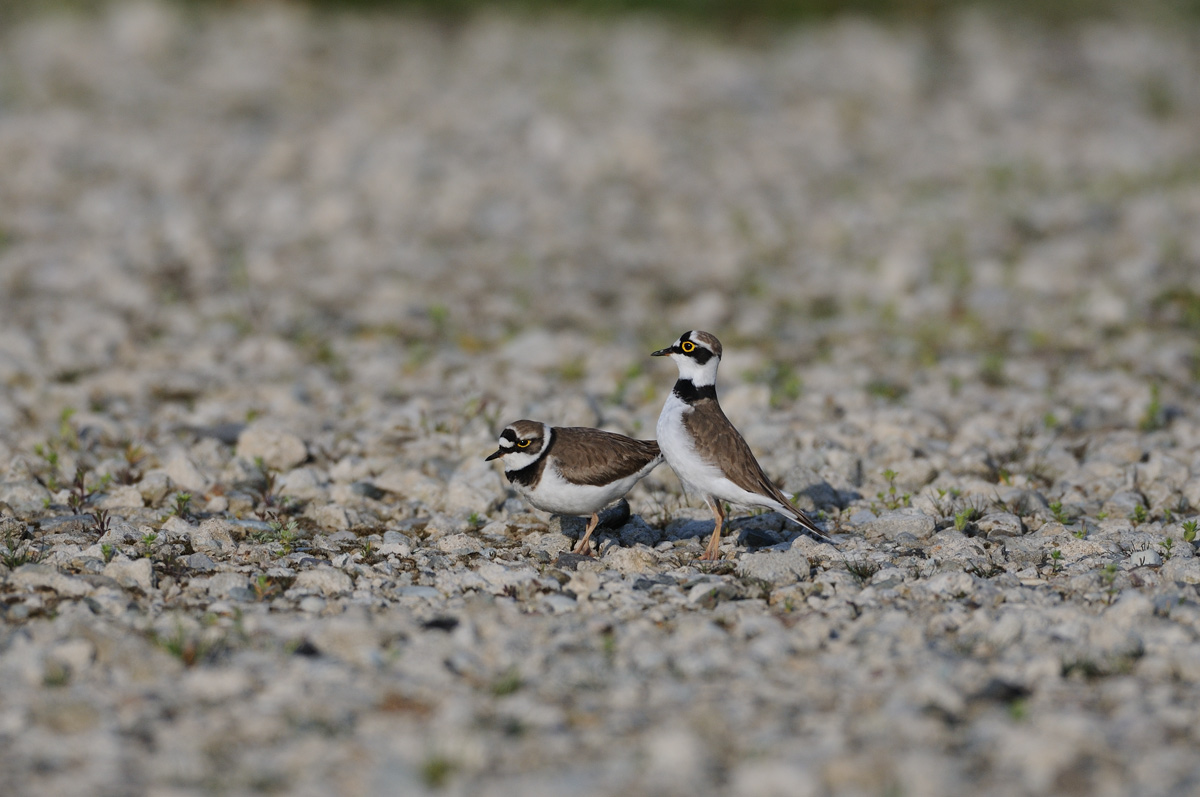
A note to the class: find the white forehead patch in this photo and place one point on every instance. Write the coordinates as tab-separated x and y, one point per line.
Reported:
505	442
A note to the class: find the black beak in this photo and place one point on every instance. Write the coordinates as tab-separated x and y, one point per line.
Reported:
499	452
661	352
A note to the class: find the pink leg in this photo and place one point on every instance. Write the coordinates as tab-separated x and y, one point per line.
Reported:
712	552
583	547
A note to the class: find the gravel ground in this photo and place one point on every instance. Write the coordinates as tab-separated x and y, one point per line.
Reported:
272	283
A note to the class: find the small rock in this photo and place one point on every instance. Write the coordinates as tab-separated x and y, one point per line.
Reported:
558	603
1146	558
123	496
325	580
887	578
427	593
136	573
809	491
411	485
277	448
154	486
773	779
1186	570
903	521
212	537
952	584
120	532
583	584
330	516
780	564
199	562
312	604
212	685
25	497
1000	524
184	474
500	577
458	543
304	483
221	585
39	576
708	594
630	560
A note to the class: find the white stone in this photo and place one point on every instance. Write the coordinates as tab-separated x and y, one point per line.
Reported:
277	447
325	580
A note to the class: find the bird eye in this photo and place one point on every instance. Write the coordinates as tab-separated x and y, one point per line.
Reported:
524	444
687	346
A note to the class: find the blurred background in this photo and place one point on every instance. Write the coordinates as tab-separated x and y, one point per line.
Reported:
463	197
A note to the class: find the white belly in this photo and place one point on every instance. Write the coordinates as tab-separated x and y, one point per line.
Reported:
698	477
559	496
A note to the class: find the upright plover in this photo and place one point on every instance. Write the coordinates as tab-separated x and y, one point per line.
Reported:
572	470
704	449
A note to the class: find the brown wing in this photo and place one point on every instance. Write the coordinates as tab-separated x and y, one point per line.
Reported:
597	457
713	433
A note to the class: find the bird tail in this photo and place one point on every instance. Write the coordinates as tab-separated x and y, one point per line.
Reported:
807	523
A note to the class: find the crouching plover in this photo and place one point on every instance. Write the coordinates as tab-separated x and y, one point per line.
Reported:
572	470
704	449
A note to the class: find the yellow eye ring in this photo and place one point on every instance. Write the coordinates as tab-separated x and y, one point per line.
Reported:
687	346
524	444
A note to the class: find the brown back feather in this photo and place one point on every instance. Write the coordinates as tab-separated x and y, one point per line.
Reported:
713	432
598	457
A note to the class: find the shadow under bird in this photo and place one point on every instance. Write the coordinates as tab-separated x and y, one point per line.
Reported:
704	449
573	470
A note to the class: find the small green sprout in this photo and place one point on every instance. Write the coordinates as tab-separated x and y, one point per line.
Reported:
892	499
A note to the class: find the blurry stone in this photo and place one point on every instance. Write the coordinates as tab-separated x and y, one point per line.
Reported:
767	778
154	486
222	585
500	577
325	580
1000	524
1179	569
903	521
1145	558
136	573
200	562
809	491
123	496
184	474
121	532
65	713
473	488
215	685
412	485
39	576
213	537
629	560
1025	502
25	497
278	448
302	483
583	584
350	469
708	594
952	584
783	564
330	516
312	604
76	654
